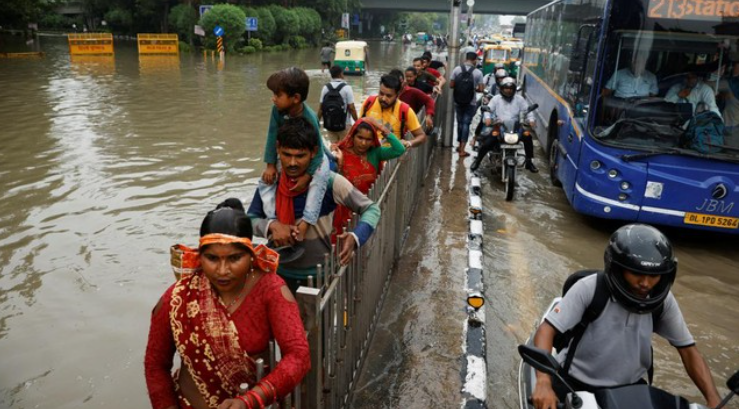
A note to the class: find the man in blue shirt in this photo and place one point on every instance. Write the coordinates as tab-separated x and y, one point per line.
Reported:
634	81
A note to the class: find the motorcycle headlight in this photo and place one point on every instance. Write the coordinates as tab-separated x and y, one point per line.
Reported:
511	138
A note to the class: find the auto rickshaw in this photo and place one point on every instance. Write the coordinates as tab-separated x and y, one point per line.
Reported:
493	54
352	57
516	57
421	38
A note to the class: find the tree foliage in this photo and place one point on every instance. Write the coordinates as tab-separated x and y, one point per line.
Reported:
230	18
182	18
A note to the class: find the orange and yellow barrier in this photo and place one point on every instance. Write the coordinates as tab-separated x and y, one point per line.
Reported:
158	44
90	43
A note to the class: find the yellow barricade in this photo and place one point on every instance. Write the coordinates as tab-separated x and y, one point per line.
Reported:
90	43
158	44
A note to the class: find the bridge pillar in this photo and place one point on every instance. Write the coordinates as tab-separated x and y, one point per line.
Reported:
452	62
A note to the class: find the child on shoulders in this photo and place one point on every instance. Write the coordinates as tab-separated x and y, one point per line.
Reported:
290	90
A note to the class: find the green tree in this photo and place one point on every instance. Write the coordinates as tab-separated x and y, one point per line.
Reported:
230	18
119	20
18	13
182	18
267	26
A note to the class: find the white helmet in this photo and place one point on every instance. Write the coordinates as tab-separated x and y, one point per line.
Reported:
501	73
507	83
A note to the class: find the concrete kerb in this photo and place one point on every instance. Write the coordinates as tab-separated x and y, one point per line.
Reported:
474	363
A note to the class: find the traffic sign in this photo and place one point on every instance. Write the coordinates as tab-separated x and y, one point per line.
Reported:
218	30
204	9
252	23
345	20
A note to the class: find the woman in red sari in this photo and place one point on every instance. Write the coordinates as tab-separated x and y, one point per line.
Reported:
360	156
220	320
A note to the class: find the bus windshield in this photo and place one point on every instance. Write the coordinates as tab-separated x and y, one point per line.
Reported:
667	83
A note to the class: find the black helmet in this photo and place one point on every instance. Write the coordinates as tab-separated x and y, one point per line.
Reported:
640	249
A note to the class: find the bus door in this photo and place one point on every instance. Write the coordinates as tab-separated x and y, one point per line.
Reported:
577	91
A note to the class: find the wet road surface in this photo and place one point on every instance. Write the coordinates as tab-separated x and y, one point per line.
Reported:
534	242
415	357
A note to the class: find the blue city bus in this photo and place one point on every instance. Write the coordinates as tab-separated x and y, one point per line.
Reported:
630	157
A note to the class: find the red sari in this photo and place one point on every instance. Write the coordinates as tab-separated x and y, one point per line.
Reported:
357	169
217	346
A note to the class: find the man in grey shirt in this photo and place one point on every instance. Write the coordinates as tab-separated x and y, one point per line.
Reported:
468	81
615	348
505	108
326	52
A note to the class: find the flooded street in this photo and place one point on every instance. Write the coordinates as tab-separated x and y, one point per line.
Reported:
104	164
534	242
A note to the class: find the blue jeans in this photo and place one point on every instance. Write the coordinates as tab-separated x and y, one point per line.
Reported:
465	113
316	192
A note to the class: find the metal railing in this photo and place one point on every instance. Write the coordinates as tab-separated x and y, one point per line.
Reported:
340	309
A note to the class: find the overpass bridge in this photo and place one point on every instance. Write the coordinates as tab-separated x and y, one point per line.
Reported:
519	7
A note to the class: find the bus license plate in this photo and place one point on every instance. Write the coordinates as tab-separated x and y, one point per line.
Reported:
711	220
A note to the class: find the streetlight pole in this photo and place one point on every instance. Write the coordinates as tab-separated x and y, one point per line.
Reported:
470	19
452	62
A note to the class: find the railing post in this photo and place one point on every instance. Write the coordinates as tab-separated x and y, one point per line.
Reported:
309	300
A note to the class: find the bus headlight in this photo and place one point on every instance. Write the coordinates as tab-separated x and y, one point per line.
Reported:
625	185
613	173
622	197
595	165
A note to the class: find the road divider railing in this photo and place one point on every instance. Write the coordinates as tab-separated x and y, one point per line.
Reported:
158	44
90	43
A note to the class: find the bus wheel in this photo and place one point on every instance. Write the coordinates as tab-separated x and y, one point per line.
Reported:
554	157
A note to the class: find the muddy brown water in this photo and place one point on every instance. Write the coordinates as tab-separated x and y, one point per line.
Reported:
105	163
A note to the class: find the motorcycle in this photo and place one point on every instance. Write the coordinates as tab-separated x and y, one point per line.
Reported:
641	396
508	155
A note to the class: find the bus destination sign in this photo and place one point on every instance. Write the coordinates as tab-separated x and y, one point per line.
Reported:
711	10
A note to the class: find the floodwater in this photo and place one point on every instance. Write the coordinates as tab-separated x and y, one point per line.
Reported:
534	242
104	164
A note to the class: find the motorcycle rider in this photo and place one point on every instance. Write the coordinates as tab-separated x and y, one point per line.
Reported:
504	107
492	89
615	349
498	76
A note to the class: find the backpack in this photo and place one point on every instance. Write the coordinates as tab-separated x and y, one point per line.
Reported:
333	110
403	112
464	86
705	133
572	337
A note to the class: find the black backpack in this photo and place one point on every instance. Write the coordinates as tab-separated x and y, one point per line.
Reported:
332	108
464	86
573	336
